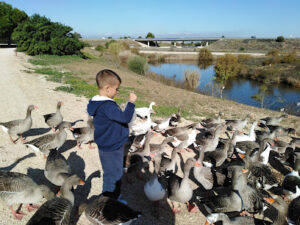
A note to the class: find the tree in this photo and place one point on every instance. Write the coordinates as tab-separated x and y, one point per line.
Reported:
150	35
77	35
205	58
38	35
9	20
280	39
226	66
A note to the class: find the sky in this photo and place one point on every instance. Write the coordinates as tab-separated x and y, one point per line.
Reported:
171	18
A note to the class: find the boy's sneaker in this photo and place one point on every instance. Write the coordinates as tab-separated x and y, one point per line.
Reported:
122	200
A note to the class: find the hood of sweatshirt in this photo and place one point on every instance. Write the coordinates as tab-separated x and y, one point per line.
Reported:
95	102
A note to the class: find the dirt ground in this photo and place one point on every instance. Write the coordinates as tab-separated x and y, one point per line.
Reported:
19	89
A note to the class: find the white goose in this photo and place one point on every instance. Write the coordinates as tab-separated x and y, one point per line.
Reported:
141	127
247	137
144	111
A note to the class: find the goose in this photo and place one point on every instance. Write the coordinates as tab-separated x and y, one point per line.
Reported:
238	124
291	182
18	127
216	120
169	164
57	169
44	143
160	148
180	130
85	134
293	211
138	160
229	203
18	188
176	119
261	135
245	220
144	112
108	211
211	142
58	209
273	120
54	119
179	189
204	175
138	142
249	137
282	208
141	127
153	189
161	125
188	138
281	131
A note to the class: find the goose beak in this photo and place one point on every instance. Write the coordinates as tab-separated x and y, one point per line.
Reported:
152	155
270	200
71	128
35	107
244	170
206	222
182	151
81	182
58	193
61	103
241	155
197	164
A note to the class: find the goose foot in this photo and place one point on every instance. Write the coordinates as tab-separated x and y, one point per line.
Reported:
192	208
243	213
174	209
31	207
14	142
17	215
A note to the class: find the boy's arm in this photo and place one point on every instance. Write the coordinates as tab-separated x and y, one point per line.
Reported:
113	112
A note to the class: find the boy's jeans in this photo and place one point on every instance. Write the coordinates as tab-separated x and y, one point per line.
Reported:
112	165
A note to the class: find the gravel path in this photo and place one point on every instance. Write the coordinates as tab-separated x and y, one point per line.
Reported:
18	89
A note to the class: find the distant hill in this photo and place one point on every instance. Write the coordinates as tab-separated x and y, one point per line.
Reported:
255	45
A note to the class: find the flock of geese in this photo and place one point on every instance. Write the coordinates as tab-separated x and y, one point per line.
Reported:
241	176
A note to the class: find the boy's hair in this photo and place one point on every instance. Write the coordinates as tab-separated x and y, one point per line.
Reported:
107	77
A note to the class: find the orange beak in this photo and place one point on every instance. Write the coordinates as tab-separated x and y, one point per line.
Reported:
35	107
81	182
152	155
58	193
182	151
206	222
61	103
197	164
244	170
71	128
241	155
270	200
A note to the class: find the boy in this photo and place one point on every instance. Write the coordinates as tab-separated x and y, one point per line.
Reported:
111	129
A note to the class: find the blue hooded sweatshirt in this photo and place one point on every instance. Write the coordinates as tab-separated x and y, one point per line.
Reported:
111	123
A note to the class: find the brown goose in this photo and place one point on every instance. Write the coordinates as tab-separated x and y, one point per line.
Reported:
204	175
179	189
161	125
211	141
85	134
282	209
44	143
160	148
58	209
273	120
175	120
180	130
238	124
108	211
18	127
214	120
18	188
169	164
54	119
57	169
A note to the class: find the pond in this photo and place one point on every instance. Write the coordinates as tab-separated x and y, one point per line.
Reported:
239	90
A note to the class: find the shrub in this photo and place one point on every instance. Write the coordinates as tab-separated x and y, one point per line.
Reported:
273	52
38	35
205	55
100	48
242	49
280	39
115	48
135	51
191	79
109	42
226	66
290	57
138	64
243	58
150	35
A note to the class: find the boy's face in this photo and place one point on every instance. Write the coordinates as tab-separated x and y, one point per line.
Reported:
113	90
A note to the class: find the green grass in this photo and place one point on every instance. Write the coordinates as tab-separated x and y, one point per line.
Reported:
49	60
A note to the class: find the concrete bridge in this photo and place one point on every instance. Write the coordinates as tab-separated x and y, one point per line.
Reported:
153	42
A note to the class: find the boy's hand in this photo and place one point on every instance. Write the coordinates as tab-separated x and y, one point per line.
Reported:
132	97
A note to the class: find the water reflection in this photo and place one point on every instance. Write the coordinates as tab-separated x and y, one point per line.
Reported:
239	90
